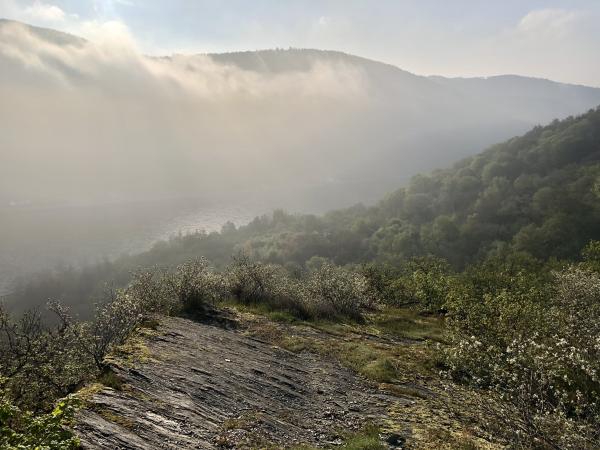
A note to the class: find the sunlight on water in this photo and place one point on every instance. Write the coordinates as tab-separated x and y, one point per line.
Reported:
34	239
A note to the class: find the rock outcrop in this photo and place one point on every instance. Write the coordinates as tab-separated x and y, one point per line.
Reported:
192	385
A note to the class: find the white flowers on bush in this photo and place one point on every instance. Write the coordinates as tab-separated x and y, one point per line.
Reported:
549	369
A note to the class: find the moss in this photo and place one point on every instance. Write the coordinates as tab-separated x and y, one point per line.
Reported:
381	370
244	422
294	344
408	324
282	316
393	348
338	328
456	441
365	439
110	379
363	442
382	359
404	391
262	309
376	364
86	393
115	418
150	324
134	350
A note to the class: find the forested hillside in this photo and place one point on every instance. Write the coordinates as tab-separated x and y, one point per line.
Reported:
537	194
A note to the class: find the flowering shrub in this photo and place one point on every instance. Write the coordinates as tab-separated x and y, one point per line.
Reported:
538	349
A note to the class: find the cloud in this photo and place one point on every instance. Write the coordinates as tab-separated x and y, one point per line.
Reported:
558	44
44	12
324	21
37	13
111	123
555	22
111	32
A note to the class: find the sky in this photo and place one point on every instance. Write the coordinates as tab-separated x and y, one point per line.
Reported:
553	39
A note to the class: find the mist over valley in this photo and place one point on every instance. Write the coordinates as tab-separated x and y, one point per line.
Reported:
103	126
299	225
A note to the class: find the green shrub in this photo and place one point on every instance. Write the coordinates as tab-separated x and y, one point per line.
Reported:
195	285
422	284
23	430
332	292
148	287
591	255
39	363
328	292
366	439
252	282
190	287
381	279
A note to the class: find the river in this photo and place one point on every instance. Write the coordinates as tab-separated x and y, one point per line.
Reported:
38	238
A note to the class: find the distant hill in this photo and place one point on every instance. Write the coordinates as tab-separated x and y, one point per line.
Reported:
534	100
302	148
428	122
47	34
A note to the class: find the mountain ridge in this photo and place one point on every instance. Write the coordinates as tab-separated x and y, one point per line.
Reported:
246	54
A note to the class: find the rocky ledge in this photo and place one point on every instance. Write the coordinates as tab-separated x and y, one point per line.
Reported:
186	385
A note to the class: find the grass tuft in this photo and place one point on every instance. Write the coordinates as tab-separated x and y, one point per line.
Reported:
366	439
110	379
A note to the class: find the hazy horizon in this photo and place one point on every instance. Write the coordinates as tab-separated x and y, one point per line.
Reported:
552	40
125	126
244	50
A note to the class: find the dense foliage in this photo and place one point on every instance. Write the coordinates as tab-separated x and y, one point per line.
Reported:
533	335
24	430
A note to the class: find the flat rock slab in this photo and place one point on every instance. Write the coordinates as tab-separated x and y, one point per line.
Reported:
202	386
